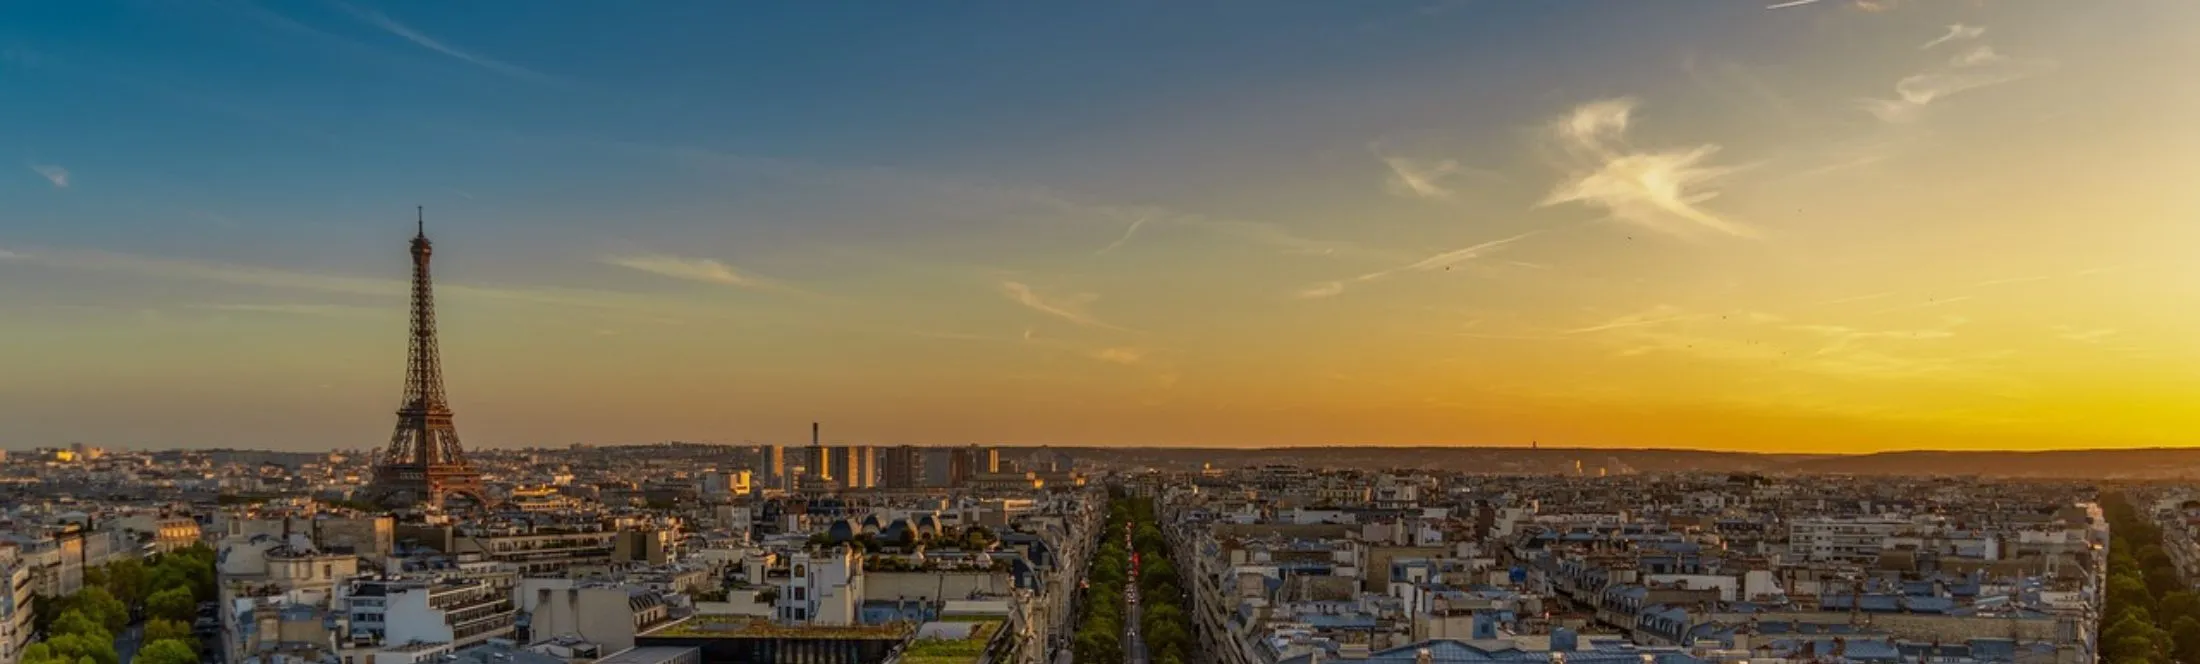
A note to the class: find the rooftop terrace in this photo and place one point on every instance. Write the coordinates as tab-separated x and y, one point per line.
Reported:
950	643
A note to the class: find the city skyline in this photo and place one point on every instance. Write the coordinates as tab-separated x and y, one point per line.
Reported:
1832	226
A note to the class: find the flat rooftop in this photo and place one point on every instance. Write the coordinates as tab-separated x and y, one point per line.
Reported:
750	627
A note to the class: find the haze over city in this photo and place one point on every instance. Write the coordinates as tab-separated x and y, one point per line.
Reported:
1836	226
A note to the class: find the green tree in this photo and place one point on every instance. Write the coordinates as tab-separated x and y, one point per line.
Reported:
2129	589
1106	570
2163	580
2131	639
1158	577
161	629
1171	653
127	580
978	538
1096	647
95	576
98	604
75	621
173	604
41	653
2185	638
1148	540
170	651
1166	635
191	568
2131	650
44	609
2180	604
74	647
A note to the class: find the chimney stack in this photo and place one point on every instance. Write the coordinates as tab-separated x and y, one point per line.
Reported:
813	435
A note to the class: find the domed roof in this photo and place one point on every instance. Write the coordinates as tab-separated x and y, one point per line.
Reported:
871	522
928	523
841	531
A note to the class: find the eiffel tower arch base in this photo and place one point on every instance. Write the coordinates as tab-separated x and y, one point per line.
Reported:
402	487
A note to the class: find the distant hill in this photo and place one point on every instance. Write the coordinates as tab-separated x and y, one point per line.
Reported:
2149	463
2153	463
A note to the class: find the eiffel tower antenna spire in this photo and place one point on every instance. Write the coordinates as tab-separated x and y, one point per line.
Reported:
420	220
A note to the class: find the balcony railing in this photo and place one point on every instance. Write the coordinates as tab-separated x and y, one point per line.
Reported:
472	613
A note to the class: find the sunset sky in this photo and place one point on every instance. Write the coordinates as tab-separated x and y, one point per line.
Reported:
1828	226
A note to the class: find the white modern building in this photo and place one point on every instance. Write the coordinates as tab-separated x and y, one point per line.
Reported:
1854	541
822	588
458	610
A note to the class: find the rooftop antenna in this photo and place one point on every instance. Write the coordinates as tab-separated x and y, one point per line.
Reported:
420	220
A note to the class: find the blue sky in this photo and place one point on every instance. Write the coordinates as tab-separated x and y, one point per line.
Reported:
1123	222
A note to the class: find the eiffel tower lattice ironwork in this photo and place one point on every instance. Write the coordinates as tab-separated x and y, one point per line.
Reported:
424	463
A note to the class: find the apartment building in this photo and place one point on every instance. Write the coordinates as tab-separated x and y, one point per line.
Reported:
460	610
17	592
1853	541
280	593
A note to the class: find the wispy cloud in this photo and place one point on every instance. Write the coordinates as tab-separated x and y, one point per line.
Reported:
1127	232
1658	190
1419	179
1120	355
390	25
318	310
2010	280
1016	201
1321	290
1744	86
1070	309
1437	262
1855	298
1927	304
1450	258
54	174
1128	356
1975	68
1766	341
2084	336
1437	179
1956	32
1841	337
1658	315
691	269
1976	57
286	279
1858	5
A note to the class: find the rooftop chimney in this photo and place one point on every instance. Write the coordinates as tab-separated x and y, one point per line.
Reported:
813	434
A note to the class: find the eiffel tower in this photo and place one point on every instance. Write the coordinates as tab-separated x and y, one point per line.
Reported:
424	463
